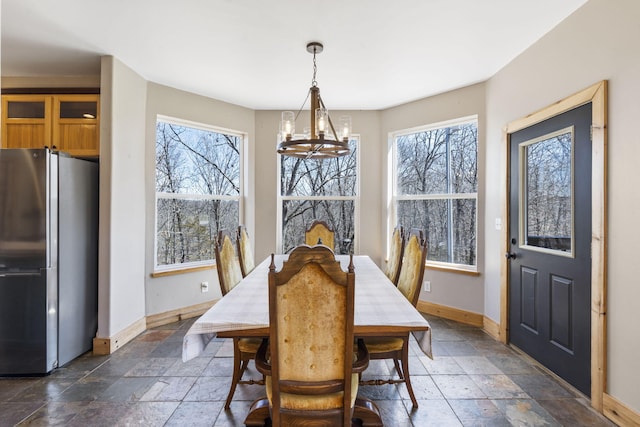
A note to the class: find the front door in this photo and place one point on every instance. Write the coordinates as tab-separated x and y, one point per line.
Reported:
550	240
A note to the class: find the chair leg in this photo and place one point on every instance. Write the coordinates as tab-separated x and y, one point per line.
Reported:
237	372
398	370
405	370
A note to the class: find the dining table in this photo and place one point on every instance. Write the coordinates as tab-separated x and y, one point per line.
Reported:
380	310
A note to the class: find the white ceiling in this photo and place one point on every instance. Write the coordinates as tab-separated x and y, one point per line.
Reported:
377	54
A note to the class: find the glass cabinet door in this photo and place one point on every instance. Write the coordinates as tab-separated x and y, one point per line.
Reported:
26	121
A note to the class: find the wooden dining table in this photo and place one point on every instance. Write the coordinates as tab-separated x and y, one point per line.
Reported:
380	310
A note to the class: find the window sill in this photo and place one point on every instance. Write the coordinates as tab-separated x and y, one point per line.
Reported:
182	270
451	269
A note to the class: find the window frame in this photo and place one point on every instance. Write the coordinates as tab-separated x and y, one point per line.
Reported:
356	200
194	265
394	197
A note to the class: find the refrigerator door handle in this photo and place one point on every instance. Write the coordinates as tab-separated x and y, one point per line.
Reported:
19	273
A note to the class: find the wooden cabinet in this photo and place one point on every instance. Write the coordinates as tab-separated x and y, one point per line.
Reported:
67	123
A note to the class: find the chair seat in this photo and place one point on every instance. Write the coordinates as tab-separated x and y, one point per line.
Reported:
315	402
249	345
383	344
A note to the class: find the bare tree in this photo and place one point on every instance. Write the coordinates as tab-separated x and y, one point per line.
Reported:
315	184
436	169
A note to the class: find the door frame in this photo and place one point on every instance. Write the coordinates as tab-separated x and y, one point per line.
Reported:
597	95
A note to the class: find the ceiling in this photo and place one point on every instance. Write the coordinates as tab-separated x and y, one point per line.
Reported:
377	54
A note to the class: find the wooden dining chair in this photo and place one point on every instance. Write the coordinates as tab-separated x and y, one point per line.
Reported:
311	371
245	251
319	232
395	255
409	284
229	275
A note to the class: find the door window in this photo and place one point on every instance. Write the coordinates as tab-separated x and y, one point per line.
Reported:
546	196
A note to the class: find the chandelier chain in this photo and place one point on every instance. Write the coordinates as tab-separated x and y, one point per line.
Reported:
315	70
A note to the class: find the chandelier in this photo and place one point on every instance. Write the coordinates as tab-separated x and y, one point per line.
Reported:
320	140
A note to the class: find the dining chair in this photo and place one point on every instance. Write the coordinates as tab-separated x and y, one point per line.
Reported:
395	256
319	232
229	275
245	251
397	347
310	367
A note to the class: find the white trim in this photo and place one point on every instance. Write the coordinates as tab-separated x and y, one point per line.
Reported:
392	185
242	148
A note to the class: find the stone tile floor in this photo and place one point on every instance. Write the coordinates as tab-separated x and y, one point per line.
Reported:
472	381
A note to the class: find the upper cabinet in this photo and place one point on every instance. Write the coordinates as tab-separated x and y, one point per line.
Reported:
67	123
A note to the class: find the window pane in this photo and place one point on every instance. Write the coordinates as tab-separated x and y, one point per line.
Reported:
196	161
298	214
328	177
187	229
450	227
548	192
423	163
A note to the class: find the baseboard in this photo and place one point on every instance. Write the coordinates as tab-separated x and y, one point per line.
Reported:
619	413
155	320
451	313
103	346
491	328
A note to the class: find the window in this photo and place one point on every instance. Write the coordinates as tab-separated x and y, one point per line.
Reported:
435	188
198	190
319	189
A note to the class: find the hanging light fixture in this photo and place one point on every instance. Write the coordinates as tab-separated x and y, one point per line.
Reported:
320	139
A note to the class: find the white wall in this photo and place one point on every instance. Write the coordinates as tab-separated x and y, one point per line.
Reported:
182	290
447	288
122	198
599	41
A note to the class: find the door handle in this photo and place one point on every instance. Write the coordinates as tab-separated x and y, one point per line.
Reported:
510	255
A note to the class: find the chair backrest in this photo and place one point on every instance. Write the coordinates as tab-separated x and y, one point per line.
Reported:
319	231
229	273
245	251
395	255
311	305
412	271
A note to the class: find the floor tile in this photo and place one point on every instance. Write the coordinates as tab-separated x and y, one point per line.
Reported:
437	413
195	414
540	386
458	387
525	412
574	412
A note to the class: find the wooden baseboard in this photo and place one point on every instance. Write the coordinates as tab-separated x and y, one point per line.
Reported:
176	315
492	328
108	345
103	346
451	313
619	413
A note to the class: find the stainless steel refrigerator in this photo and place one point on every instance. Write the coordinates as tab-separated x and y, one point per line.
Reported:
48	259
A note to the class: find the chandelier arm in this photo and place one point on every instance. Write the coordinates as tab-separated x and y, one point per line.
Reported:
303	104
335	134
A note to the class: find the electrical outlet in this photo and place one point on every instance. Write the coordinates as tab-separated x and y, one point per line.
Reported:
204	286
426	286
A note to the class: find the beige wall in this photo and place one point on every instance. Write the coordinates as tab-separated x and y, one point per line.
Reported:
447	288
182	290
599	41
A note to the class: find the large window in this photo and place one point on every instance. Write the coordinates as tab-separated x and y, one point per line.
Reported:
198	190
435	188
319	189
